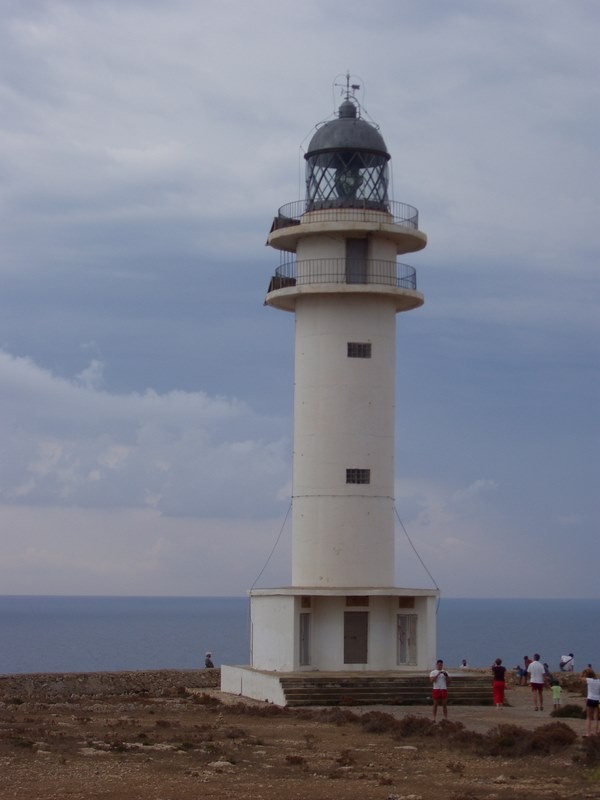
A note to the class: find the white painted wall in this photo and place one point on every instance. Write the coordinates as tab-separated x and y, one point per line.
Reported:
343	534
276	631
249	683
273	632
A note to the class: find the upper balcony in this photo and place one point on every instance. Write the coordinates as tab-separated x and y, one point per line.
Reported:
343	276
398	222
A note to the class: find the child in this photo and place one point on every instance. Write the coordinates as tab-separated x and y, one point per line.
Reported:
556	693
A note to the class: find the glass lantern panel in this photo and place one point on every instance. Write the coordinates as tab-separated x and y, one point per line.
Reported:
346	179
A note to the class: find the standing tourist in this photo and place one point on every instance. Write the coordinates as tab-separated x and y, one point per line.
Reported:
537	680
526	662
439	679
593	701
499	683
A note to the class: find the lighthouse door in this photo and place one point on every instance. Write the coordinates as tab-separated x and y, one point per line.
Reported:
304	640
406	652
356	260
356	629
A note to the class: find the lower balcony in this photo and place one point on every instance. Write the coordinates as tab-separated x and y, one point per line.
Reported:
343	271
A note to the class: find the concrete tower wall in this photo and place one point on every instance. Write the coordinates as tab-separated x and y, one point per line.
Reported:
343	533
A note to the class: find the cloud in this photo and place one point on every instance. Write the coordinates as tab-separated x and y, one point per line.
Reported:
134	552
68	443
473	545
145	149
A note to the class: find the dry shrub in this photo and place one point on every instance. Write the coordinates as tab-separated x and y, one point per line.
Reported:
504	740
117	746
511	740
346	759
186	745
551	738
266	710
235	733
206	700
310	740
379	722
469	740
590	747
295	760
413	725
571	710
26	743
338	716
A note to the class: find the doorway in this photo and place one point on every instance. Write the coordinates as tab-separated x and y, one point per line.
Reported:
356	631
304	655
356	260
406	648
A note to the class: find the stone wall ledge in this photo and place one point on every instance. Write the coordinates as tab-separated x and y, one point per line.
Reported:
55	686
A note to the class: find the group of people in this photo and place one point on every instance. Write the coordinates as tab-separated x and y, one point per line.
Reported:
538	675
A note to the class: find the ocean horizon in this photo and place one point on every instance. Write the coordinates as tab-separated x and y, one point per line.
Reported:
90	633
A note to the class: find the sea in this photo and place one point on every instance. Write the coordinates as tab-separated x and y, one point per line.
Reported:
90	634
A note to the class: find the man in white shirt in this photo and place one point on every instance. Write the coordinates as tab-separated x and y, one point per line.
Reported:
439	694
537	680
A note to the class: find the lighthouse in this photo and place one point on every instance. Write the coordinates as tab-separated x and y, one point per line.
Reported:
341	277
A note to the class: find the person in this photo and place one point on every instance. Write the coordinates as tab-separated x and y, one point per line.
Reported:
536	681
567	663
556	689
464	664
208	661
499	683
592	702
526	662
439	678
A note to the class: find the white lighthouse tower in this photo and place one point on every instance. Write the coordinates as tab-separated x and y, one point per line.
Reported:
341	279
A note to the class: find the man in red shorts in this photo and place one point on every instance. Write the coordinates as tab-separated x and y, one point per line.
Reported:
439	679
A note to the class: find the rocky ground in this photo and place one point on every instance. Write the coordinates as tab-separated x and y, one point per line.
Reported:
173	736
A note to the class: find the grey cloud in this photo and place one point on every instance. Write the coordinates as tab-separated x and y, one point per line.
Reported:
145	149
67	443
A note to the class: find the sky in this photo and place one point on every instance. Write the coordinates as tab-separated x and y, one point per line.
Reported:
146	391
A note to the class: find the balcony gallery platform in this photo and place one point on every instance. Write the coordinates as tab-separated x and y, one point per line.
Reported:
283	296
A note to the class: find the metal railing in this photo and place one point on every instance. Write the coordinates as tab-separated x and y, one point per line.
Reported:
360	210
344	270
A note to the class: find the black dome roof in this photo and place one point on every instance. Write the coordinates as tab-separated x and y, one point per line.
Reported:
347	132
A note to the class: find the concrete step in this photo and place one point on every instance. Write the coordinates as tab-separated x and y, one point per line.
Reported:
328	690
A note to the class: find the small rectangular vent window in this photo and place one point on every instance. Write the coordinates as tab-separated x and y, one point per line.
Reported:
358	476
359	349
354	600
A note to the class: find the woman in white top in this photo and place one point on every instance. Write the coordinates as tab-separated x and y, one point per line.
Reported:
593	700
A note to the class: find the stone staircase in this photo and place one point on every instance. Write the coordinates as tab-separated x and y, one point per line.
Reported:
334	689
